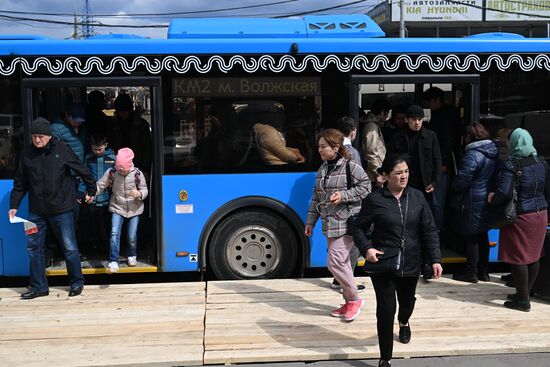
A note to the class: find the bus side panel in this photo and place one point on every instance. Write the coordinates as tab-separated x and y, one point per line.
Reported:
14	254
493	251
185	219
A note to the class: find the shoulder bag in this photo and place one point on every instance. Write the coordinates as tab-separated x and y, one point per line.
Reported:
505	213
391	260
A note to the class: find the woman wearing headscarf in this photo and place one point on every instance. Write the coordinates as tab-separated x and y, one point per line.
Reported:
521	243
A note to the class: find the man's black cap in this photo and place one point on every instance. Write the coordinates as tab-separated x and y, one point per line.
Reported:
41	126
414	111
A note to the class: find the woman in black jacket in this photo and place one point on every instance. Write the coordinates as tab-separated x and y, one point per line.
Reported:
402	219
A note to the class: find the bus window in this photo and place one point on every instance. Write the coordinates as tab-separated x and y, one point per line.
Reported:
212	130
514	100
11	126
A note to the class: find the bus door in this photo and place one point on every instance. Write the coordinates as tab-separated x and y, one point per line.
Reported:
461	95
140	129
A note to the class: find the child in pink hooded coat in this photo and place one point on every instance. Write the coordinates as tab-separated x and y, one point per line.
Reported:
128	190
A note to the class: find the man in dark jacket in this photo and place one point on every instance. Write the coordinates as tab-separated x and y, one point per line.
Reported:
69	130
132	131
422	147
96	120
445	122
45	173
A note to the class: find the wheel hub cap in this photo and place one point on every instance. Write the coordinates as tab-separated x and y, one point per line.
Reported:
253	251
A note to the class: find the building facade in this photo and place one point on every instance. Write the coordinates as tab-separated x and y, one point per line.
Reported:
460	18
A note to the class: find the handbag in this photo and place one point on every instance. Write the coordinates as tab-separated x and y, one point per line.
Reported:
503	214
455	201
391	260
388	262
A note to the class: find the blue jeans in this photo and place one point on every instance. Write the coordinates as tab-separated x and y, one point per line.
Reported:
116	226
63	227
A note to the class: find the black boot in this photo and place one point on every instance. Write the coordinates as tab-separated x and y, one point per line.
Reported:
520	304
483	276
514	296
469	278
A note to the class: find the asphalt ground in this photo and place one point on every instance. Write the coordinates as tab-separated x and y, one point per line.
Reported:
497	360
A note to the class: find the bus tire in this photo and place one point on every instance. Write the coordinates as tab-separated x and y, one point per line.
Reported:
253	244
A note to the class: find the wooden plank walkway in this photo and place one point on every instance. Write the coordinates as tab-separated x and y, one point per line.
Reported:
226	322
287	320
107	325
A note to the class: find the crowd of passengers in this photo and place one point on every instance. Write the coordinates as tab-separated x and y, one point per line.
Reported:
400	183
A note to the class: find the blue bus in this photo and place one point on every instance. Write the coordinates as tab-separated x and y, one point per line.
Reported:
217	204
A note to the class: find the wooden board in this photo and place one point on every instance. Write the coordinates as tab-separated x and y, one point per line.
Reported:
225	322
288	320
107	325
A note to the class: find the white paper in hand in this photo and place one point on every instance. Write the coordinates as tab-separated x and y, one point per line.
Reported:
30	227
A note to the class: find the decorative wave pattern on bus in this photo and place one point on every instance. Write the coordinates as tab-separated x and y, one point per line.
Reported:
182	65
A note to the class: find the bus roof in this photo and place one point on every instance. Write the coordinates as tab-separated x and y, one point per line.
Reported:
337	34
267	46
311	26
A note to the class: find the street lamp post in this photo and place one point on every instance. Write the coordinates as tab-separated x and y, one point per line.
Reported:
401	19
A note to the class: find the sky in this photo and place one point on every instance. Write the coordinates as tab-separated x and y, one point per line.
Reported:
132	7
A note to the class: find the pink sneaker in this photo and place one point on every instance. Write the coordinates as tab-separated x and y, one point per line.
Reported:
353	309
340	312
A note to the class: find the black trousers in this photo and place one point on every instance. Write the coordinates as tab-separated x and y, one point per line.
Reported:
477	253
386	288
97	227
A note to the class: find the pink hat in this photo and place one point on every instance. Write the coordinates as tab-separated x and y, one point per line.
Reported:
124	159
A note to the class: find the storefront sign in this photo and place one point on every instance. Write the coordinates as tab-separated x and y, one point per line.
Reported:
438	10
505	10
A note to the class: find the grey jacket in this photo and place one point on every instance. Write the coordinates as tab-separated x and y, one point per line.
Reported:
374	148
335	217
353	152
121	202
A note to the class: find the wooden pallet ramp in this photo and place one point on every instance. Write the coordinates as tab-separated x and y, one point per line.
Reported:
288	320
106	325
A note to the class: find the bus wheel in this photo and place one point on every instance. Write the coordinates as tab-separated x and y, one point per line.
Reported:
253	244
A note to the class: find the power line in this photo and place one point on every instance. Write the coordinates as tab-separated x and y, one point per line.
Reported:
319	10
100	24
523	3
346	8
153	14
34	25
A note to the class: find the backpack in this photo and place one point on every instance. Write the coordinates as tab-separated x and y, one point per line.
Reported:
137	177
349	179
